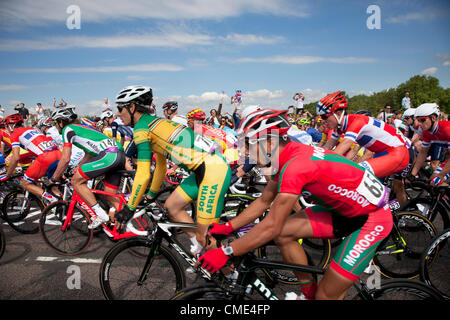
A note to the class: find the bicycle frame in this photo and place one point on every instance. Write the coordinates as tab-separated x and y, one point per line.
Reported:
111	232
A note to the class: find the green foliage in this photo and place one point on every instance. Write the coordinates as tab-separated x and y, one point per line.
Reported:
421	89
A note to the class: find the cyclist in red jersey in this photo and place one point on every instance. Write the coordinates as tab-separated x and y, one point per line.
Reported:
387	143
433	132
352	204
42	147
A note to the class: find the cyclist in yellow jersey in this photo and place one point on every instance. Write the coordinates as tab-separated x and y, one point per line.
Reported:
187	149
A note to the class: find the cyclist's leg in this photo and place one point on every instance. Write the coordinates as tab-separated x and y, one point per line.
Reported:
398	186
213	178
393	161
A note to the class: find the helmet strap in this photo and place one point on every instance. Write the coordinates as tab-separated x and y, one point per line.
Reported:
339	120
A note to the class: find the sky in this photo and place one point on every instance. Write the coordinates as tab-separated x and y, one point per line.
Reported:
198	52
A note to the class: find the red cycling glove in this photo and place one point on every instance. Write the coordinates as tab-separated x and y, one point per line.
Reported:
213	260
225	229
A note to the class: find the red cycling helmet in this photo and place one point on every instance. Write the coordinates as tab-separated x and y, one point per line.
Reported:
196	114
331	103
172	105
13	119
263	122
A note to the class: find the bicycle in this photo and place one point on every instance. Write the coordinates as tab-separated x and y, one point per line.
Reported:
2	242
435	262
248	282
144	267
64	224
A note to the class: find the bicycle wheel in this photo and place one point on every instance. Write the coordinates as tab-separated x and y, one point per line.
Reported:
75	238
123	265
398	255
2	242
206	292
439	216
435	264
318	252
21	211
401	290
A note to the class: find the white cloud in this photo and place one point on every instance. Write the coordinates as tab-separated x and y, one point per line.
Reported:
141	68
251	39
7	87
429	71
30	12
446	63
301	60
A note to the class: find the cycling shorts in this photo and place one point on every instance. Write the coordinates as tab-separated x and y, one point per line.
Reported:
389	162
362	235
105	163
208	185
45	164
404	173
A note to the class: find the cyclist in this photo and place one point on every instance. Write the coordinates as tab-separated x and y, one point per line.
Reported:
43	148
181	145
170	110
434	132
352	204
103	156
387	143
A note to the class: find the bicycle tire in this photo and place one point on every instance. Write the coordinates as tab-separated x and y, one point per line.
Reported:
75	239
122	265
23	221
403	262
434	264
2	242
403	289
440	217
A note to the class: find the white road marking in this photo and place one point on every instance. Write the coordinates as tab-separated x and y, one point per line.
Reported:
74	260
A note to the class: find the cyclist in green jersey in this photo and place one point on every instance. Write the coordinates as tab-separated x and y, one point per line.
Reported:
189	150
103	156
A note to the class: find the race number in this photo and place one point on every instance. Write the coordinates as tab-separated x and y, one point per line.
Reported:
372	189
203	143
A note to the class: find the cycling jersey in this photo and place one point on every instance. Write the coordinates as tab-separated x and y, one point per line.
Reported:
439	136
352	202
88	139
25	155
382	139
187	149
43	147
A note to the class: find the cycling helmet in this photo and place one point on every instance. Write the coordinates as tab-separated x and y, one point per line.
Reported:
303	121
196	114
14	119
139	95
364	112
99	125
331	103
66	113
249	109
45	122
107	114
409	113
427	109
262	122
172	105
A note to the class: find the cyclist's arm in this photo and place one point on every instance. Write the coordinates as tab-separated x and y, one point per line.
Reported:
14	161
63	162
269	227
142	176
330	144
421	157
344	146
257	207
158	175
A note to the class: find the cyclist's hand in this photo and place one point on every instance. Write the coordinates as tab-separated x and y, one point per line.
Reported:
122	217
213	260
225	229
435	180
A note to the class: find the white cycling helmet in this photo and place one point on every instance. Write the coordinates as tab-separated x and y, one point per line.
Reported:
427	109
66	113
249	109
139	95
107	114
409	113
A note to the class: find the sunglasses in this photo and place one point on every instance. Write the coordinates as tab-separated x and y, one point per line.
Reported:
121	106
422	119
325	116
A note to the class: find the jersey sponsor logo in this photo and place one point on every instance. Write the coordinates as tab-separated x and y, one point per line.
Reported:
319	153
350	194
362	245
207	198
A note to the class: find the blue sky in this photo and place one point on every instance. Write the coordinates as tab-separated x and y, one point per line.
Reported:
191	51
